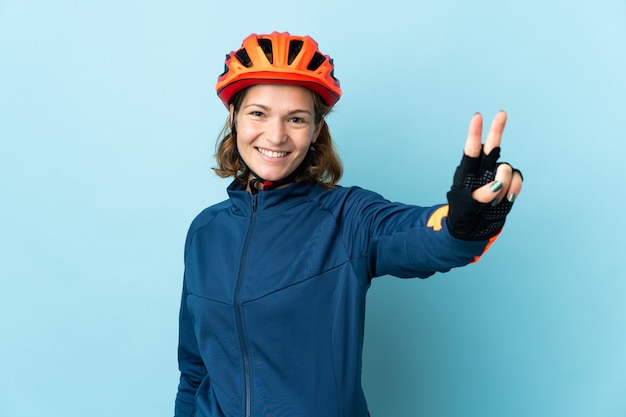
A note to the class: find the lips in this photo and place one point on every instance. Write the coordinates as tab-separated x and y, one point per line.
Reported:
272	154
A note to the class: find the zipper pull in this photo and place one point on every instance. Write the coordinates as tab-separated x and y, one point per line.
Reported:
254	197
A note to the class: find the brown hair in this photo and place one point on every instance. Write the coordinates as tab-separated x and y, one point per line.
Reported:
320	166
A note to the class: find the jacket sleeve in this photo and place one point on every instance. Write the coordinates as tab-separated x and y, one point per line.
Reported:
405	240
191	366
423	248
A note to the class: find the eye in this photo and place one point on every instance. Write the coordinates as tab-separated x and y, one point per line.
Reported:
297	120
256	113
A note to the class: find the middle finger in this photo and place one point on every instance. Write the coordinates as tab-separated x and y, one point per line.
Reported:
494	137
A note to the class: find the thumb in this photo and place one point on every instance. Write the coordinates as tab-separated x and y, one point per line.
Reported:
488	193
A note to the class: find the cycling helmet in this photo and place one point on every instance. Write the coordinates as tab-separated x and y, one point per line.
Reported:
279	58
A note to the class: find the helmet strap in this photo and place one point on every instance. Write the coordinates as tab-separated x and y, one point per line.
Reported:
259	184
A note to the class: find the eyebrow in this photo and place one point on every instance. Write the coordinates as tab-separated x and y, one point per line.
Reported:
266	108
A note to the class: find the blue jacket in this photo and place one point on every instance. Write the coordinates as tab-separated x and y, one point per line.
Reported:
273	304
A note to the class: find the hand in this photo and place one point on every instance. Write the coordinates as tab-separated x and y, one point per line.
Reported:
483	190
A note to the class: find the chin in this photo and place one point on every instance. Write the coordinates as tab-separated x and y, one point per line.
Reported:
273	175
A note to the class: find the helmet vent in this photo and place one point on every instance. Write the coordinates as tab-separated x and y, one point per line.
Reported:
225	66
317	60
294	49
243	57
332	72
266	46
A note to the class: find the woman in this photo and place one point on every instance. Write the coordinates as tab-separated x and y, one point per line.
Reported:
273	305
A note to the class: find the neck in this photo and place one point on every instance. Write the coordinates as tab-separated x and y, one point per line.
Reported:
256	183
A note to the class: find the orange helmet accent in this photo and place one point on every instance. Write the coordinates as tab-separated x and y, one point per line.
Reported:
279	58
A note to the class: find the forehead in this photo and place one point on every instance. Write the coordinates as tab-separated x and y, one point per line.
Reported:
279	95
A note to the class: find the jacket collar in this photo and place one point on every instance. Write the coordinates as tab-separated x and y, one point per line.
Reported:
272	200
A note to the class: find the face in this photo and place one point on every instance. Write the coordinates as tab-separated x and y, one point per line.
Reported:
275	128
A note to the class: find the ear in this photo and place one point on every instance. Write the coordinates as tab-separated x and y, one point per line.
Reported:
317	130
231	108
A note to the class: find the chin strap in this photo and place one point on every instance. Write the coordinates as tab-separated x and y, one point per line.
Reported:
259	184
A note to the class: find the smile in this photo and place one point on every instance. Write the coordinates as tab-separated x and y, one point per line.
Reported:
272	154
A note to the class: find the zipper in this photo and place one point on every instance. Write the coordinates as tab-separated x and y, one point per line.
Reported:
239	311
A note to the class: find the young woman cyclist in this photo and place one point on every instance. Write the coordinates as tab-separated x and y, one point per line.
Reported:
273	303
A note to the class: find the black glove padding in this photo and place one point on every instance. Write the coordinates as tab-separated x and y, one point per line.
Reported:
469	219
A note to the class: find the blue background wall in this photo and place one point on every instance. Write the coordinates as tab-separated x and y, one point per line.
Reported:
108	121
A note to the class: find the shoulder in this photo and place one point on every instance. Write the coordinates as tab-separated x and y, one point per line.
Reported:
207	216
352	196
351	202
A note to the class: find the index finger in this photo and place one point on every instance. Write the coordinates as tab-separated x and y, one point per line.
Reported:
473	143
494	137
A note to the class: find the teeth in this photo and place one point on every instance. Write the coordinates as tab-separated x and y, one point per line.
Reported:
272	154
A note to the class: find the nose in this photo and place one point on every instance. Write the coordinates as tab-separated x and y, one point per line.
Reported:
276	132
